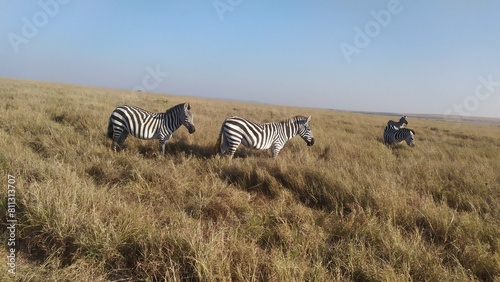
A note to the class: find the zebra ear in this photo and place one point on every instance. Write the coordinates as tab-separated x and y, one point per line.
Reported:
187	106
308	119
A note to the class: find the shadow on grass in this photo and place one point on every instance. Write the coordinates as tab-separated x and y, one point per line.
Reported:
196	151
314	189
152	151
243	153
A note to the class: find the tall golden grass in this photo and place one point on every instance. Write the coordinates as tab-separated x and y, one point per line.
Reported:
347	209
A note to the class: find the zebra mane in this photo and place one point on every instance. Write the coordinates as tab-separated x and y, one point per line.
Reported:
297	119
179	107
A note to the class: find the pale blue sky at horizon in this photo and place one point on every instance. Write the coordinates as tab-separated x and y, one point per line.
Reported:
432	57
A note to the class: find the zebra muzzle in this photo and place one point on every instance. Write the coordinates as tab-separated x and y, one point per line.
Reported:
310	143
191	129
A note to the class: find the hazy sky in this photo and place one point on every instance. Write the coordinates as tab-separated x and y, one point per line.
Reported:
440	57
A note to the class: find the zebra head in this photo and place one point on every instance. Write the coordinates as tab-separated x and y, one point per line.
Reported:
305	131
403	120
187	118
410	138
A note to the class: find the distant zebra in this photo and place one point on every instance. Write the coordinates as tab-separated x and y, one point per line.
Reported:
397	124
144	124
393	136
236	131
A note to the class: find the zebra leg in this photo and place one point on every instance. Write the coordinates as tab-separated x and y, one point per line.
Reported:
231	148
229	143
223	146
163	139
114	143
162	146
120	140
276	150
114	146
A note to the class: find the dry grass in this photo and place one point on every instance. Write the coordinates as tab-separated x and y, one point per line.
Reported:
347	209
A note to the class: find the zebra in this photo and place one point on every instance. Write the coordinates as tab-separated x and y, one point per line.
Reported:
144	124
393	136
237	130
398	124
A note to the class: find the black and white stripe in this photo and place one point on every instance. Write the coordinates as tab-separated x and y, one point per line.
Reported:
144	124
236	131
393	136
398	124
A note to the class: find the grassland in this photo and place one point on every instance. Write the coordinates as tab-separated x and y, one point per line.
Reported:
347	209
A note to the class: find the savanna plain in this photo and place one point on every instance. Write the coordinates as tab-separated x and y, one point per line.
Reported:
348	208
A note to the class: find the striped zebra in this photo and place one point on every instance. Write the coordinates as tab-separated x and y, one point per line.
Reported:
393	136
144	124
236	131
398	124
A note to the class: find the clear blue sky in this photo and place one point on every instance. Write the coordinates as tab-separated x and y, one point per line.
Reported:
388	56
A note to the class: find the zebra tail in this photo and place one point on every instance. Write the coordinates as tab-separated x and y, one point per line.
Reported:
217	148
110	130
